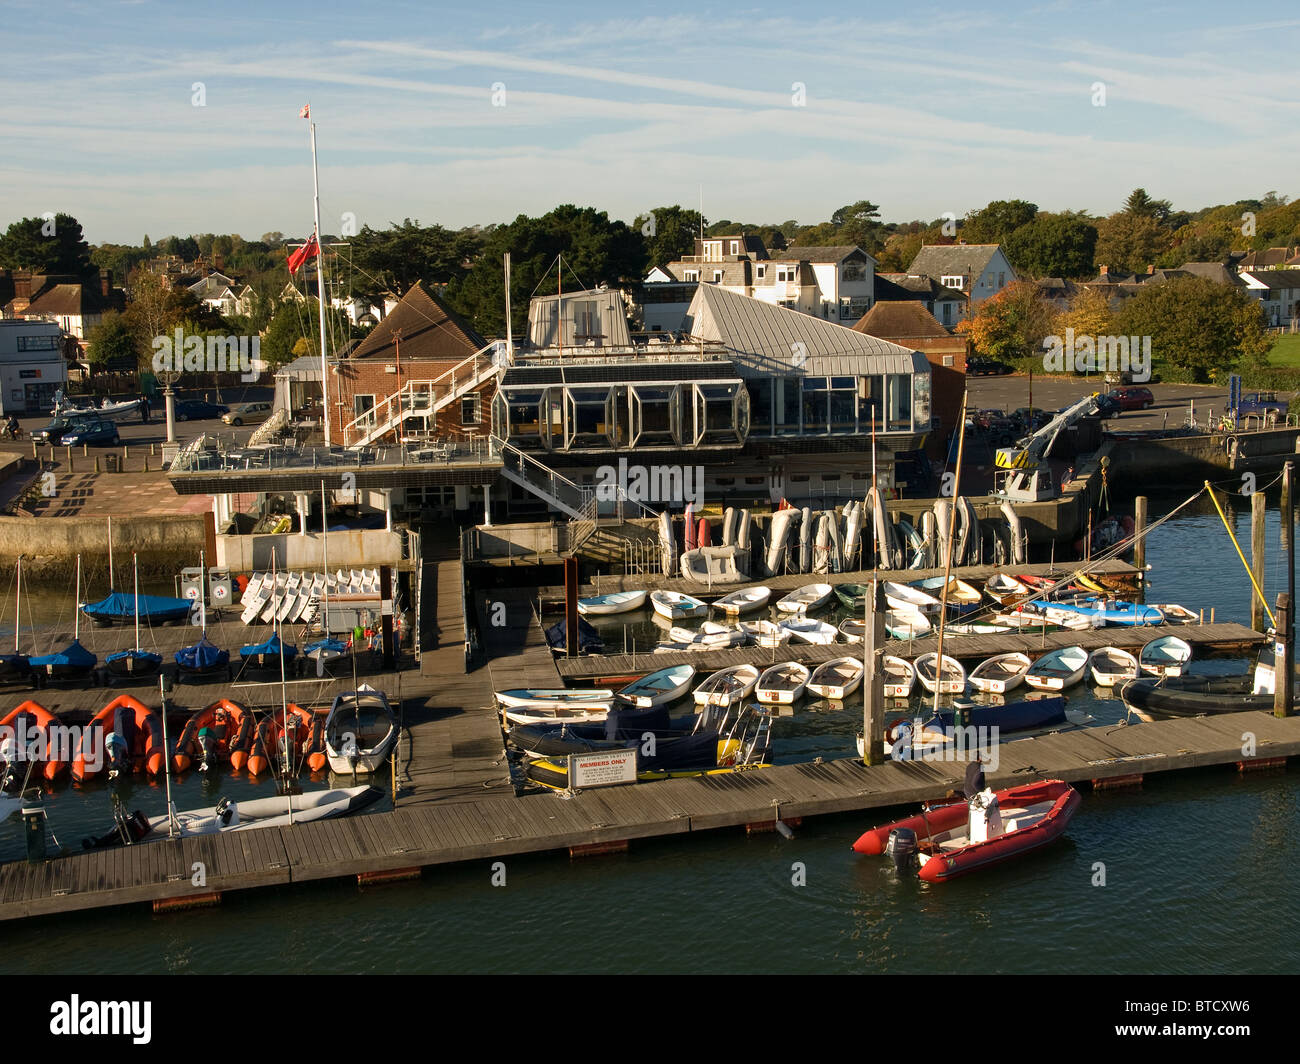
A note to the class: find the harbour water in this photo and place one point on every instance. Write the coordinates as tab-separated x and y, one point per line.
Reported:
1188	874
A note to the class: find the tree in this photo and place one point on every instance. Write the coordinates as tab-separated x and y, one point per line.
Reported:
294	329
997	221
394	259
1198	325
1090	314
1053	245
596	250
47	245
1129	243
1140	205
118	259
111	343
672	234
153	309
859	224
1012	324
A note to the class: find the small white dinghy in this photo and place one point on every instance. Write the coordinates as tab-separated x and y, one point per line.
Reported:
1176	614
836	679
727	687
783	684
678	607
953	681
1000	673
556	698
1111	666
853	630
766	634
614	602
1058	669
710	636
659	688
809	630
903	597
590	713
1004	589
906	624
1165	656
805	598
246	814
745	600
900	676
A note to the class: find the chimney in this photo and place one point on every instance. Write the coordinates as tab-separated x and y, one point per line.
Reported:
105	283
1105	270
1151	269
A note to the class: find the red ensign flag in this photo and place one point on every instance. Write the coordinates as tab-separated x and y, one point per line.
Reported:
305	112
305	253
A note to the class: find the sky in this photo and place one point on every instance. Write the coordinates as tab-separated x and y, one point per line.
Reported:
140	117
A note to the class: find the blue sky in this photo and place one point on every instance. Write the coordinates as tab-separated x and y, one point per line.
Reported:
922	108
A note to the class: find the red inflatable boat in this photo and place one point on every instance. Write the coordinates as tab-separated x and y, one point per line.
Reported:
35	735
123	736
950	840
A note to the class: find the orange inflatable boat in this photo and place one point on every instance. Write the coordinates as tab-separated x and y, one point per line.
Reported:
123	736
219	733
33	733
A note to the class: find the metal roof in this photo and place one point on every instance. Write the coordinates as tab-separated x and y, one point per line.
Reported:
768	340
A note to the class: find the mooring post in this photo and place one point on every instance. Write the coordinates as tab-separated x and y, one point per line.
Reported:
873	679
1283	670
1258	616
571	607
1288	515
1139	531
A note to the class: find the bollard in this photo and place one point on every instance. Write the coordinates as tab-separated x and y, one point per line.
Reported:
96	463
85	450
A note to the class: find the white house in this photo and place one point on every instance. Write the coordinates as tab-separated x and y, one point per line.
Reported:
1278	290
980	271
32	366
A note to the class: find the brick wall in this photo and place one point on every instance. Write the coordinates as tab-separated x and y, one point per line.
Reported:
371	377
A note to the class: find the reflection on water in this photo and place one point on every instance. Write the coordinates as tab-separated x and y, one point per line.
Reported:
1195	869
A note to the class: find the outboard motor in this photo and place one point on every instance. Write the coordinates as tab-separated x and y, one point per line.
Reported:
227	812
119	755
207	749
901	849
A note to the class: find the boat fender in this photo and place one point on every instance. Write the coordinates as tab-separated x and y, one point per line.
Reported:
901	848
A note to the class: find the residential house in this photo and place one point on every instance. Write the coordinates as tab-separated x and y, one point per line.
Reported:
32	365
948	305
1278	290
223	294
1268	259
980	271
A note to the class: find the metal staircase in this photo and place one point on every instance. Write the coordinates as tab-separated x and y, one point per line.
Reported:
425	398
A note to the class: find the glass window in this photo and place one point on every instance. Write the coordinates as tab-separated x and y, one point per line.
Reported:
760	404
871	403
524	408
787	405
900	403
716	413
655	414
589	420
815	406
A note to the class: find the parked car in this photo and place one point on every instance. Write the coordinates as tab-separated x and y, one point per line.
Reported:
248	414
199	410
1265	403
95	433
1028	418
987	367
1106	406
1133	398
59	427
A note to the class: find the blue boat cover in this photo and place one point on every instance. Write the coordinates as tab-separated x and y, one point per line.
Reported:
202	656
621	720
330	646
73	655
1012	717
139	655
589	640
271	648
119	606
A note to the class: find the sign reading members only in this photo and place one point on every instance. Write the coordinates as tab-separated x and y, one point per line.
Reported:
604	769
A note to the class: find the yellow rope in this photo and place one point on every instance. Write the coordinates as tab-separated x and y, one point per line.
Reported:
1224	518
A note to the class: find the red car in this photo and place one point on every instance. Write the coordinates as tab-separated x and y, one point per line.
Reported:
1133	398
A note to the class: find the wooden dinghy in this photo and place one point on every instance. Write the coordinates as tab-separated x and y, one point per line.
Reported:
746	600
836	679
1005	590
900	677
658	688
906	597
1165	656
1000	673
1111	666
809	630
727	687
782	684
677	606
614	602
805	598
1058	669
906	624
767	634
953	681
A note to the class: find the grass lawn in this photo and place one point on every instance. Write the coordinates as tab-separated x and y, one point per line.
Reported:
1286	351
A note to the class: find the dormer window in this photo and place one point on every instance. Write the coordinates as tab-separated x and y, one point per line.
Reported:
717	276
735	247
953	281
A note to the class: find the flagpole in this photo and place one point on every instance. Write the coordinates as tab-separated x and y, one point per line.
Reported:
320	286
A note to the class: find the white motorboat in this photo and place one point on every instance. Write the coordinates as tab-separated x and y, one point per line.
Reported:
1058	669
836	679
1000	673
782	684
808	597
953	680
360	731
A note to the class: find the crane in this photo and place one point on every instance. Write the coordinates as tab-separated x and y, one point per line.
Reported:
1023	474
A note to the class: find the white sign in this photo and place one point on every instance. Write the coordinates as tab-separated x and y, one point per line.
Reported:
602	769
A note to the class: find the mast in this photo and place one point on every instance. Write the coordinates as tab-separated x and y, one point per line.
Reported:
947	560
18	601
203	596
110	556
559	302
325	561
510	335
135	569
320	284
76	613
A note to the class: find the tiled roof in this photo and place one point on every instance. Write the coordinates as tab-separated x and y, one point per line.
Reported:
902	318
948	260
1277	278
427	328
812	253
893	286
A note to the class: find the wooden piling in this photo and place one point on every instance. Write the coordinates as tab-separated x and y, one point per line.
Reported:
1286	507
70	469
1283	653
1258	616
1139	530
571	582
873	679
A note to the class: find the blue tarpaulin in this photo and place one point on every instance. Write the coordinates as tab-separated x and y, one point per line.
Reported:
202	656
74	655
270	649
119	606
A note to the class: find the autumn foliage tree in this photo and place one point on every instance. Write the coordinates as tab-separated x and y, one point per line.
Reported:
1012	324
